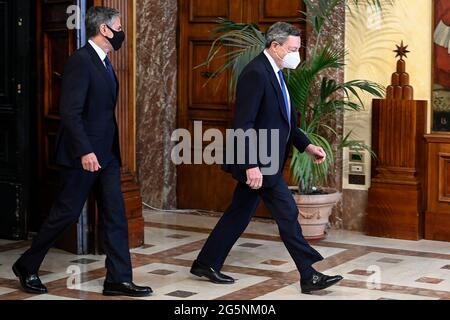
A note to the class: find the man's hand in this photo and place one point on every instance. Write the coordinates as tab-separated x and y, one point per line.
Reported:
254	178
90	162
316	152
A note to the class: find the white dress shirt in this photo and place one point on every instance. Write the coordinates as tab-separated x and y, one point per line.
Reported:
100	52
276	69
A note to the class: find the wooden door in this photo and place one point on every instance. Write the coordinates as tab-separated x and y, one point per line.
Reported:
201	186
15	106
55	43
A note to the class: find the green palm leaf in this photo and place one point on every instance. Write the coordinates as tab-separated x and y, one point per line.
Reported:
242	43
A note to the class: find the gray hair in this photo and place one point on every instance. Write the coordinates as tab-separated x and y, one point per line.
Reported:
279	32
96	16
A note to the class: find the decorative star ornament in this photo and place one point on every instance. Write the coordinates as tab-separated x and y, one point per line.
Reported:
401	51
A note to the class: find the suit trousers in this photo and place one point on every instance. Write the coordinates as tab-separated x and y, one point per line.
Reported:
76	184
280	202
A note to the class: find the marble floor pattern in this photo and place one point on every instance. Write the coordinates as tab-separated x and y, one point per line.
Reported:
373	268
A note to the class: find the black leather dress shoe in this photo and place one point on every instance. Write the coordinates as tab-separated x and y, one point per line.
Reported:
30	282
125	289
319	281
214	276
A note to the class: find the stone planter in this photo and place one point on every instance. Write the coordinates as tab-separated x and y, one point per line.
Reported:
314	212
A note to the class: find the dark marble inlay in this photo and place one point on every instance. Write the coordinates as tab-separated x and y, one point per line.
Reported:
178	236
447	267
429	280
84	261
360	272
274	262
390	260
181	294
162	272
250	245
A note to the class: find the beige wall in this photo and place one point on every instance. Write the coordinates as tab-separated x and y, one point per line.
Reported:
370	40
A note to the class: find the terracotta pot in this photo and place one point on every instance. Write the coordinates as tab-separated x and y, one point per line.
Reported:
314	212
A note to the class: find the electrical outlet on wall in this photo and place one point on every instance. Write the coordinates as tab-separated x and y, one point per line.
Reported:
356	147
356	168
356	157
355	175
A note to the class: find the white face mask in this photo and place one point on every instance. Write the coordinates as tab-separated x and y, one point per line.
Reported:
291	60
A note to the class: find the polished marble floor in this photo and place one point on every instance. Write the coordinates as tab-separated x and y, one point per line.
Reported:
373	268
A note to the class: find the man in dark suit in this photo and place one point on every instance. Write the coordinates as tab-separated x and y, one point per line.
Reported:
263	102
88	151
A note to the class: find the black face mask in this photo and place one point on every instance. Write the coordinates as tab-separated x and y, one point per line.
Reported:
117	40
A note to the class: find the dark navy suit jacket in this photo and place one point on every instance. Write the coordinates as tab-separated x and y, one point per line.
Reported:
87	105
260	105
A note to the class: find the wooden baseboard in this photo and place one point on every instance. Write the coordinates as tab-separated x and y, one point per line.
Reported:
394	211
436	226
133	209
135	232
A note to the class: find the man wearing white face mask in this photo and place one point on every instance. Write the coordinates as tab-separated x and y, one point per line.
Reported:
263	103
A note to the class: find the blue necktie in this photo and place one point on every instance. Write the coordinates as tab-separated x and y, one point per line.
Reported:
110	71
286	100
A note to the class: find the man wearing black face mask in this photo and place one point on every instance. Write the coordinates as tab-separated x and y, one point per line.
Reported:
87	148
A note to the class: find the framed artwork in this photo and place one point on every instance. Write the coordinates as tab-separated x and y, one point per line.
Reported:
441	69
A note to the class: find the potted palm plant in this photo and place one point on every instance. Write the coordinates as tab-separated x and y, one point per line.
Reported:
316	97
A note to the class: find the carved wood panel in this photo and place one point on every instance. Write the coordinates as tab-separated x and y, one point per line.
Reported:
437	216
201	11
271	11
444	177
204	94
